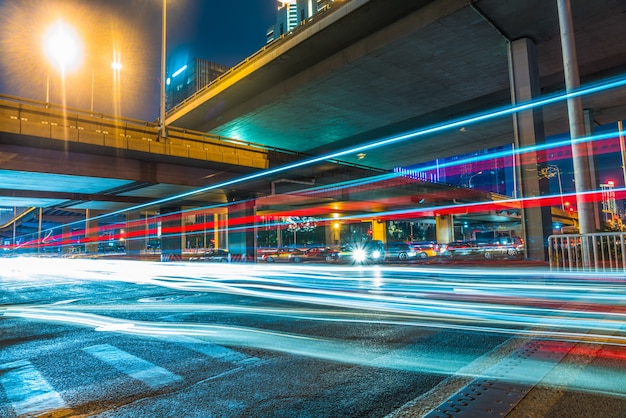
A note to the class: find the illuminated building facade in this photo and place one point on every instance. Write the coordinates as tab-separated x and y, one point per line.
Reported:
292	13
188	79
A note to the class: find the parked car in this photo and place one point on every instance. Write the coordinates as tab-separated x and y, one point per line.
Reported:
316	254
278	255
399	251
425	249
466	249
504	247
215	255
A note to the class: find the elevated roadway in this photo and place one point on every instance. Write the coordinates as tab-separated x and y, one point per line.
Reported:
58	157
368	69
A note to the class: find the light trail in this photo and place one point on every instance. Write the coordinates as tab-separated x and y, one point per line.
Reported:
490	304
379	181
462	122
562	307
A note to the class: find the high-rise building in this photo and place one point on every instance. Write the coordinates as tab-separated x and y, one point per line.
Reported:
188	79
292	13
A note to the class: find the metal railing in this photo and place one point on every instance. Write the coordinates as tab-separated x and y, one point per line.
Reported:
602	252
45	120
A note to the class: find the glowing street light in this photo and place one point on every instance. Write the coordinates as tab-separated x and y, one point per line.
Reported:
63	49
116	66
554	171
469	182
163	132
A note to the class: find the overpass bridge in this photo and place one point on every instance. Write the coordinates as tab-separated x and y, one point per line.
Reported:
54	156
369	69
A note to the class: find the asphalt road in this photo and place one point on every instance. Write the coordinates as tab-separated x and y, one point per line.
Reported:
131	339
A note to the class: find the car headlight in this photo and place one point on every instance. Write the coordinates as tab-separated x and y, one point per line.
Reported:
359	255
376	254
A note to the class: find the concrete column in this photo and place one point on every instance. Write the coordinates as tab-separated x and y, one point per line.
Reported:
593	166
136	233
444	228
379	230
529	131
171	234
242	227
576	122
333	233
221	230
91	232
66	238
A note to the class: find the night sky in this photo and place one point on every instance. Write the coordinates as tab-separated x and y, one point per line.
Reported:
225	32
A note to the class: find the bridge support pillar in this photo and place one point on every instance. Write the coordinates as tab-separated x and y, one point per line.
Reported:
379	230
242	226
444	228
67	240
136	233
333	233
91	232
172	235
593	171
529	131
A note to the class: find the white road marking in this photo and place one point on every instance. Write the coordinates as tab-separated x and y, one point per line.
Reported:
29	393
211	350
150	374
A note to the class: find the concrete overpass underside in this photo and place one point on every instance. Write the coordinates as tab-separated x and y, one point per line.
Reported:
372	69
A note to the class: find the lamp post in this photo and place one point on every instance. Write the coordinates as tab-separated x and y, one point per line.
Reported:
92	87
551	171
620	128
116	66
469	182
62	48
163	132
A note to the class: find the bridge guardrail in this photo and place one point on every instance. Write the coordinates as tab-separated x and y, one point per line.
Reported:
601	252
143	135
50	121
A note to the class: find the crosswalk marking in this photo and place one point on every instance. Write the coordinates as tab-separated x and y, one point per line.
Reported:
152	375
28	391
211	350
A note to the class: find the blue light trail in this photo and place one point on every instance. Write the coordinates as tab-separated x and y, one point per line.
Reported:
566	308
505	111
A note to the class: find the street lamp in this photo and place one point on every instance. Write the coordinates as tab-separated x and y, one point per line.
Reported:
554	171
469	182
116	66
63	50
163	132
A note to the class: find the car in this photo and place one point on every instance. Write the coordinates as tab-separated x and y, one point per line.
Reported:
465	249
425	249
314	254
277	255
504	247
363	252
215	255
399	251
